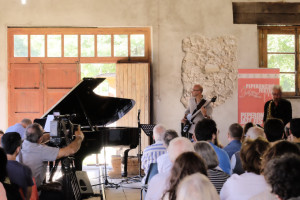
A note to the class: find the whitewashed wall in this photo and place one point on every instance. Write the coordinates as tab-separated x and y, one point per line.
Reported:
171	22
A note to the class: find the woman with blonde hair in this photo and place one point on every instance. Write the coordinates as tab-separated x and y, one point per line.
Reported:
196	187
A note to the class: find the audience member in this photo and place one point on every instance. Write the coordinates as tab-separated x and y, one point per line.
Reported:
246	128
18	173
152	152
251	183
236	163
283	175
215	174
163	161
35	155
295	130
20	127
1	134
3	174
278	149
186	164
11	190
274	129
235	134
160	182
196	187
206	130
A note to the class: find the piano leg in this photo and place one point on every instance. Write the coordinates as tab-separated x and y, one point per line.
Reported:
125	161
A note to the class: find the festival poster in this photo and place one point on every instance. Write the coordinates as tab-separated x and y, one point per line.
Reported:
254	89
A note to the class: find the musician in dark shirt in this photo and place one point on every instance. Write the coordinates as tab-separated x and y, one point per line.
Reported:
278	107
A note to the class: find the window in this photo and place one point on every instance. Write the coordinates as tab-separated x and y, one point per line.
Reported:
279	48
93	45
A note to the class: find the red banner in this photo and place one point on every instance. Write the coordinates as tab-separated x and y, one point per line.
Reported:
254	89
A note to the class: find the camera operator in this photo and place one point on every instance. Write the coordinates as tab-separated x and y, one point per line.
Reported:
36	155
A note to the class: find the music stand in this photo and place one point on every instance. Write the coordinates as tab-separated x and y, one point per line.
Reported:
148	130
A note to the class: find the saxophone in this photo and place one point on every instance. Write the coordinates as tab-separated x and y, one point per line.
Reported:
269	114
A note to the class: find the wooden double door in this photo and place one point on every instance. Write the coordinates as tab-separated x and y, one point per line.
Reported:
36	87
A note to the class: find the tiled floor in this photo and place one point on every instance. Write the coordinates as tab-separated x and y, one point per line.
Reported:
126	190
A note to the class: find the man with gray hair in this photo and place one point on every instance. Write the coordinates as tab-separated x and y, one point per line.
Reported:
152	152
20	127
277	107
160	182
36	155
163	161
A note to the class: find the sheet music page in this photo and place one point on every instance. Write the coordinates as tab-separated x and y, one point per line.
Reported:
47	125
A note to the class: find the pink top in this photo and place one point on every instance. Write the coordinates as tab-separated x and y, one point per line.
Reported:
2	193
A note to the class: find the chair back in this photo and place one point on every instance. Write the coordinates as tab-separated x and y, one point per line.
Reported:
151	172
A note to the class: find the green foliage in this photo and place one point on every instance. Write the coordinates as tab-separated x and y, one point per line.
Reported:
281	43
87	46
121	45
285	62
137	45
20	45
104	45
95	70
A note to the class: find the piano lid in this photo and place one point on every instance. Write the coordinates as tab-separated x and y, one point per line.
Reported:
90	108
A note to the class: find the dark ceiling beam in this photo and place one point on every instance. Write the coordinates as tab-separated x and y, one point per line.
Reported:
263	13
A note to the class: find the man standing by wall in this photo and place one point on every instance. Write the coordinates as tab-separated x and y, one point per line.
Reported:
195	102
278	107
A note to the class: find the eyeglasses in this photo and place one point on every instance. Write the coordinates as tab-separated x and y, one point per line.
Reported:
195	90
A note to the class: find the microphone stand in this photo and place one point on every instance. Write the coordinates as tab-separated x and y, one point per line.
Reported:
139	148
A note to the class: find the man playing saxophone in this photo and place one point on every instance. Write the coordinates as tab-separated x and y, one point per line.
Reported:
277	107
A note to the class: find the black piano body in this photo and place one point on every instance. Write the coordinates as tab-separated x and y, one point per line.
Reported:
93	114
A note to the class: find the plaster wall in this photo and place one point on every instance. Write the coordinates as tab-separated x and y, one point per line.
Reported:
171	22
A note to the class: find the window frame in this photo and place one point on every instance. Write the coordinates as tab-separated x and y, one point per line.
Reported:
146	31
263	32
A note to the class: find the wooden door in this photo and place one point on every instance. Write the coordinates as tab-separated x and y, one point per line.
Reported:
34	88
133	82
25	92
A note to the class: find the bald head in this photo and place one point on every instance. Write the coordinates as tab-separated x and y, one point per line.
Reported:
178	146
158	132
255	132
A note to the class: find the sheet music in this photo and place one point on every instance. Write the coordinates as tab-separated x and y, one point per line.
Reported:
47	125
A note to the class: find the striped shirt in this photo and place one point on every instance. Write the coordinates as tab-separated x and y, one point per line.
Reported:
217	177
151	153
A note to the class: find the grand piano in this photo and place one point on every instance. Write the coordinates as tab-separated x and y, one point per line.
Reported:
93	114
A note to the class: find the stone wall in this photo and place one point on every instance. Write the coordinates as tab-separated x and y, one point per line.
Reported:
211	62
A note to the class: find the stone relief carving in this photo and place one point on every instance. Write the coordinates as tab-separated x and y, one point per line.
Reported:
211	62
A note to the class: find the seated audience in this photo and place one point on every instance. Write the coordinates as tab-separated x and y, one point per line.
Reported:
160	182
152	152
36	155
206	130
247	126
235	134
20	127
283	175
3	175
251	183
196	187
163	161
278	149
18	173
236	163
274	129
295	131
11	191
1	134
215	174
186	164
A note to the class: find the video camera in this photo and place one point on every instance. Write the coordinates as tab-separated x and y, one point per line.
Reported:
62	130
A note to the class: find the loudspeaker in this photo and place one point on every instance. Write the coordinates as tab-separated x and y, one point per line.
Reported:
84	183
